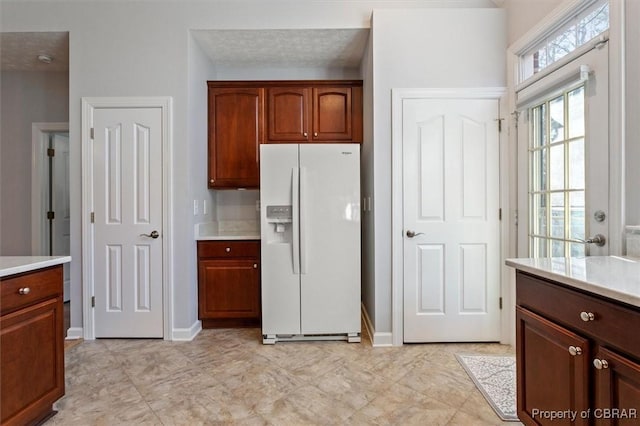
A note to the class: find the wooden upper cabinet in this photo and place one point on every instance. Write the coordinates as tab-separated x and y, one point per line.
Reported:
236	131
288	114
332	114
318	112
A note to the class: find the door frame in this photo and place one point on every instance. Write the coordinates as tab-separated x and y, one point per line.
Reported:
397	196
89	105
38	177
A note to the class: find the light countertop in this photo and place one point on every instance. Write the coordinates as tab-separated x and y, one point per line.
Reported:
614	277
229	230
10	265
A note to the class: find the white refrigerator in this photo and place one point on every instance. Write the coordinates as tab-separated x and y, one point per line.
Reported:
310	241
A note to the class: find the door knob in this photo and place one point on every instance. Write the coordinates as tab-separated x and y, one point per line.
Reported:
575	350
153	234
600	364
412	234
587	316
599	240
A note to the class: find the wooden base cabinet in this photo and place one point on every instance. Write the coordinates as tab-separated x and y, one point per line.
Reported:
31	345
229	283
549	377
578	356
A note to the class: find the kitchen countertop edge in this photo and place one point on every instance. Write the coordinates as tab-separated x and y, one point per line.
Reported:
585	284
223	237
11	265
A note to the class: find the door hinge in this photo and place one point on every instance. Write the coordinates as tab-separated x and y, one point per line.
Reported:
51	215
499	120
51	152
500	302
91	134
93	301
500	213
93	217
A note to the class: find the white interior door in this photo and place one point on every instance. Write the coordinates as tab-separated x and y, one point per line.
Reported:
61	230
127	205
451	205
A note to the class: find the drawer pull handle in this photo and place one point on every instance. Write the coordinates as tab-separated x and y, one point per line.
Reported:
228	249
575	350
587	316
600	364
24	290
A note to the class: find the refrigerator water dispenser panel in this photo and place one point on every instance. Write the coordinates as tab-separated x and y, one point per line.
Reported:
279	214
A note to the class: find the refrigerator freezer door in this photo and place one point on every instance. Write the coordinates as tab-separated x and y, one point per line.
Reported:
330	238
279	241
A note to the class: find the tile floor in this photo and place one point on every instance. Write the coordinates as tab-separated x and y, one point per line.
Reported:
229	377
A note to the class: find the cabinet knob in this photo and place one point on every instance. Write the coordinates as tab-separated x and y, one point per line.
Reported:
211	180
600	364
24	290
228	249
255	266
315	134
304	134
575	350
587	316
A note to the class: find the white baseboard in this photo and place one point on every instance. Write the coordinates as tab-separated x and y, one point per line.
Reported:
378	339
186	334
75	333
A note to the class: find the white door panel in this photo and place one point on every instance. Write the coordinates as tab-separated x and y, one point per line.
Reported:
127	188
451	201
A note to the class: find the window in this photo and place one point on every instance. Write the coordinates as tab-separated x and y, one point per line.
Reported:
557	175
582	28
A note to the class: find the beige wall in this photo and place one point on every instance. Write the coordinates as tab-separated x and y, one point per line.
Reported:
522	15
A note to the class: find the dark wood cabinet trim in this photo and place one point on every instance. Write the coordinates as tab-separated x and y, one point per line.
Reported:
283	83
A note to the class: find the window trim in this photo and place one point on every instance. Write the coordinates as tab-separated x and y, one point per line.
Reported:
559	17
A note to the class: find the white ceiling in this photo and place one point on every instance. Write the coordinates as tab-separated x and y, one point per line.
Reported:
19	51
307	48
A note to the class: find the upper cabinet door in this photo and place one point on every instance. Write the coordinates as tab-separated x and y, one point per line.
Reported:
289	110
332	114
236	131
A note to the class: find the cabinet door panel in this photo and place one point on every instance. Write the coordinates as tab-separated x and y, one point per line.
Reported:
617	387
549	377
332	117
32	361
288	112
235	134
229	288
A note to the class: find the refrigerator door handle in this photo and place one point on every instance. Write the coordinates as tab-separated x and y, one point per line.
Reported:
303	233
295	220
